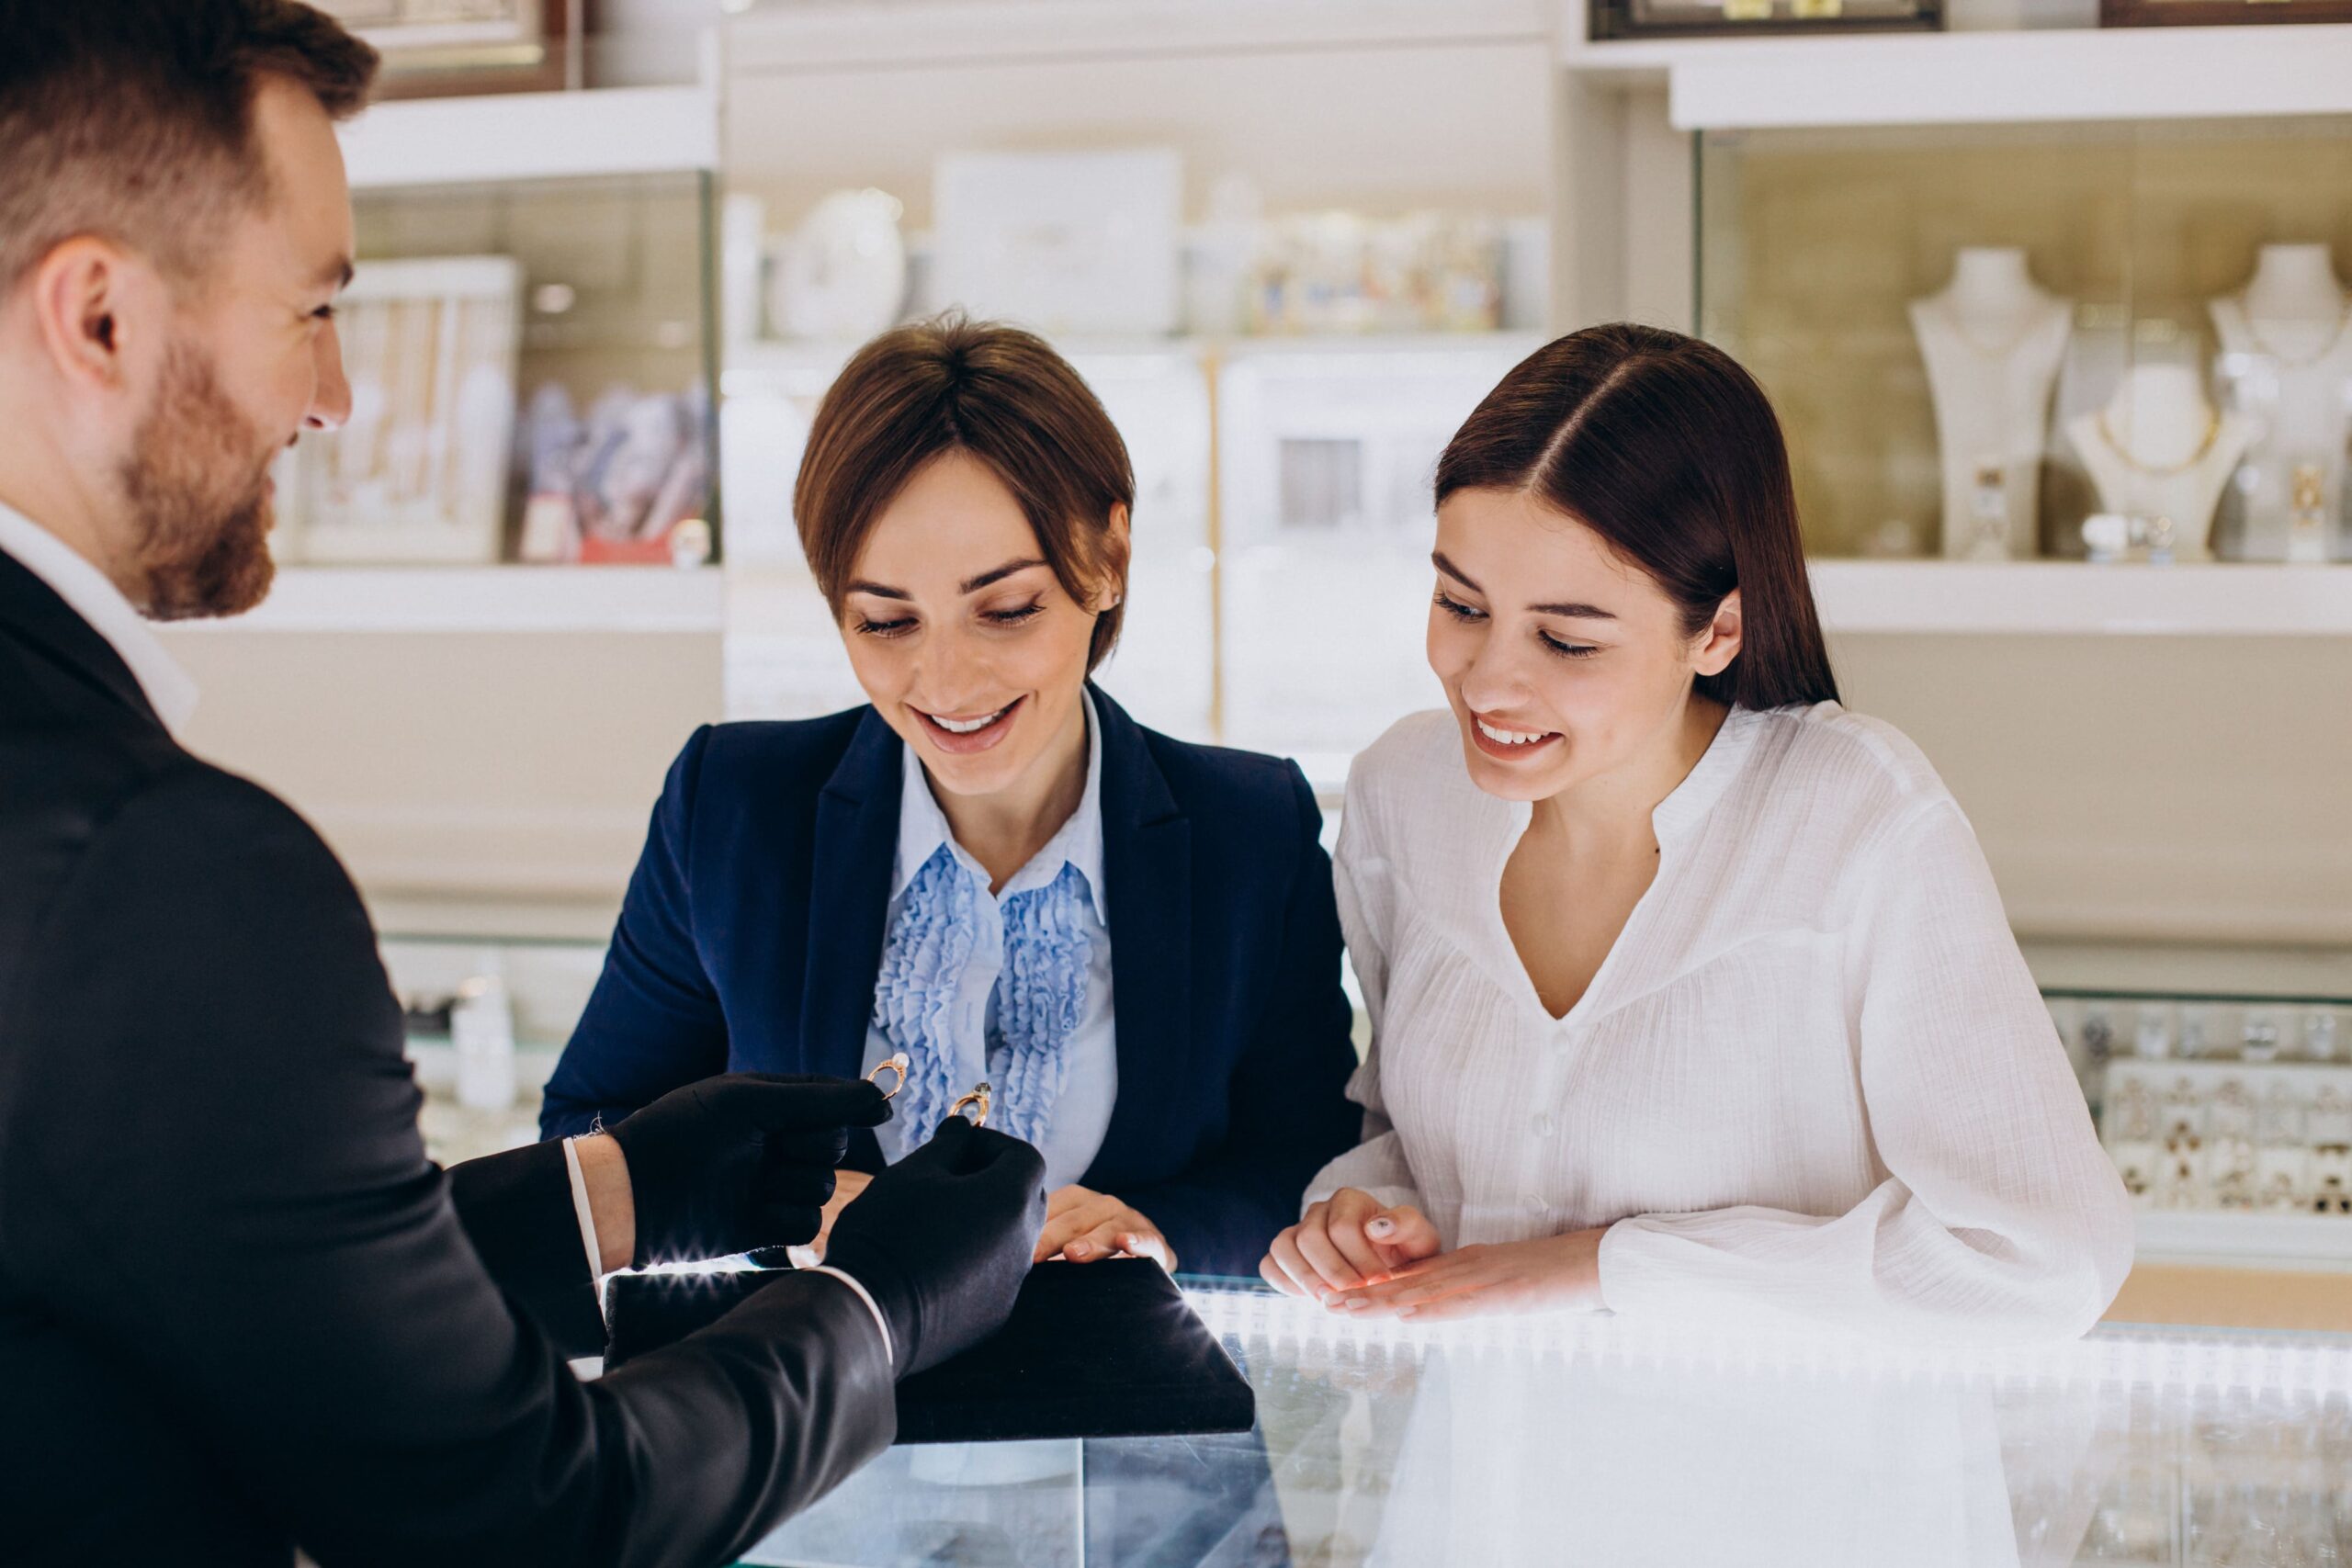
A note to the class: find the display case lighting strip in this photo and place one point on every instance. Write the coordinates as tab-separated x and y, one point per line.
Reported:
2176	1360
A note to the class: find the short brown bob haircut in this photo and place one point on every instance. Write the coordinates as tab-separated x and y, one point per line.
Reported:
133	120
1000	394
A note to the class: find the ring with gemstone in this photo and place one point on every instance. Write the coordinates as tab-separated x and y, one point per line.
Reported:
976	1102
896	1063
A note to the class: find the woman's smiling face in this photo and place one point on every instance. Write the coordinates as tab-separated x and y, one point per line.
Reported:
1563	661
961	635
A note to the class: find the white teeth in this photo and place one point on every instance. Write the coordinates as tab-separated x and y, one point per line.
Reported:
1506	737
969	725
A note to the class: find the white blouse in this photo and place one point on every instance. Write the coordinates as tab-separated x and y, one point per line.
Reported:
1812	1083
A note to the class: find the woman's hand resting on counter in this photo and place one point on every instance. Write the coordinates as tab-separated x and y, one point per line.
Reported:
1356	1256
1553	1273
1085	1226
1081	1226
1347	1240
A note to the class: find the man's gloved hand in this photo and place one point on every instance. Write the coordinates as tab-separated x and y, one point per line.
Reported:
736	1162
942	1240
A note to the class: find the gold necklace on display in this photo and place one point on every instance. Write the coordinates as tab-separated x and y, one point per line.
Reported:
1976	345
2254	331
2212	430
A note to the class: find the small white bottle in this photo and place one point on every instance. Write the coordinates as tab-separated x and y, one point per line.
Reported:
482	1029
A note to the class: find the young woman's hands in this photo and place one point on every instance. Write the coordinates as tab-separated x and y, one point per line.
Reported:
1085	1226
1555	1273
1348	1240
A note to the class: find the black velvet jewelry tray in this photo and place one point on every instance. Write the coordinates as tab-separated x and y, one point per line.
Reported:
1104	1350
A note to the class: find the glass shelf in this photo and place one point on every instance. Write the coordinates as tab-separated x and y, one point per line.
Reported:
532	371
1493	1443
1861	273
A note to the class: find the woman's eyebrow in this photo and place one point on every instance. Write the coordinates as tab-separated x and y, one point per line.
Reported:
969	585
1573	612
974	584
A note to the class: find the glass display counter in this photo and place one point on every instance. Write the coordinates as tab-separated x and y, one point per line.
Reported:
1592	1439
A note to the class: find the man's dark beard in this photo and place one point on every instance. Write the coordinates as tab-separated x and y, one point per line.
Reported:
201	507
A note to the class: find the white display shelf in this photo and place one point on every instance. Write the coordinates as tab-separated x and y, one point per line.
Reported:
811	366
533	136
2245	1240
2040	76
487	599
2068	598
926	33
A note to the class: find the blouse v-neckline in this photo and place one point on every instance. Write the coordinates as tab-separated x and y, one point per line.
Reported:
1671	821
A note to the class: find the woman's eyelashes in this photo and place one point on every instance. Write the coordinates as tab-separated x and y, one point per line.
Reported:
1565	649
1465	612
1456	608
1019	615
1002	618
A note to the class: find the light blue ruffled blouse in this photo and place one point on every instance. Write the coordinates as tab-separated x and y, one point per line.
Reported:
1012	988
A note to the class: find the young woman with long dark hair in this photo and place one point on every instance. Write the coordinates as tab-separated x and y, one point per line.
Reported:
1690	990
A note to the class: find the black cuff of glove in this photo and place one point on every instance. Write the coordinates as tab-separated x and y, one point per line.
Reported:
894	1296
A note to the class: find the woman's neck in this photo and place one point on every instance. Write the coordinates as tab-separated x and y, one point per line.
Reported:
1004	831
1612	813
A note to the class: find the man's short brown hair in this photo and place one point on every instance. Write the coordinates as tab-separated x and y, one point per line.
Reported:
1006	397
133	120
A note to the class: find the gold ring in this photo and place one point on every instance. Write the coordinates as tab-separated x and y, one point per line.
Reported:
977	1101
895	1062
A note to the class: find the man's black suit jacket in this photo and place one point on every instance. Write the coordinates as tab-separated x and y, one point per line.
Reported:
239	1309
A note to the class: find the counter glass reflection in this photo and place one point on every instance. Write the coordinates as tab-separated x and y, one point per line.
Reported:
1550	1440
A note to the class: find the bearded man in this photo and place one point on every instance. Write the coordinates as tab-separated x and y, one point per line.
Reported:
239	1312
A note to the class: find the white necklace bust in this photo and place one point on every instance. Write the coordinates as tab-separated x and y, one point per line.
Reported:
1992	340
2160	450
2287	366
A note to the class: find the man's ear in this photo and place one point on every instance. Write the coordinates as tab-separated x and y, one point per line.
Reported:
1719	643
91	305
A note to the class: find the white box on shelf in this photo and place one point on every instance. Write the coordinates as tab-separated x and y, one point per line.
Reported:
1062	242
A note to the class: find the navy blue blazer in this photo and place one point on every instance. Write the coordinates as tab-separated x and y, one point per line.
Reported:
752	932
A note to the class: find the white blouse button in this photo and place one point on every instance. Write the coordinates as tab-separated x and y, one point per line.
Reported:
1544	1124
1539	1205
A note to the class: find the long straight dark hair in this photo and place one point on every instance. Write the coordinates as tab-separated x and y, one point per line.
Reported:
1665	447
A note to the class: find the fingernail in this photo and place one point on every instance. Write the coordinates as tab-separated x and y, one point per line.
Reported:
1358	1304
1079	1249
1407	1311
1381	1227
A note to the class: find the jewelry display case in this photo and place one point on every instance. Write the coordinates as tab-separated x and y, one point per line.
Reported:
1518	1443
2229	1117
580	429
2105	341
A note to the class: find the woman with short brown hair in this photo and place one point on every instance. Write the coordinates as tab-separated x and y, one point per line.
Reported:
991	871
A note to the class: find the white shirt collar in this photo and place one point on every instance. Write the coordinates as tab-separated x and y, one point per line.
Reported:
171	691
923	828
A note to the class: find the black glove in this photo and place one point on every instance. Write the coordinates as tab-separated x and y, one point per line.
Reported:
739	1162
942	1240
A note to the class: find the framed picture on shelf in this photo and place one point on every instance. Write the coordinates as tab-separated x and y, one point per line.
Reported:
437	48
419	474
1727	18
2218	13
